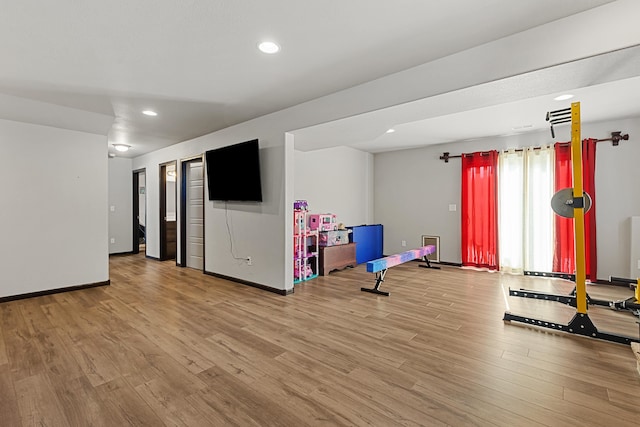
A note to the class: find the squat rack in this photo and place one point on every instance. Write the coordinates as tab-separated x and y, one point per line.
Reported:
580	324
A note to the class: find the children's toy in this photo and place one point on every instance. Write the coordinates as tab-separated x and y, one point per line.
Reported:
304	273
299	221
334	238
323	222
300	205
305	245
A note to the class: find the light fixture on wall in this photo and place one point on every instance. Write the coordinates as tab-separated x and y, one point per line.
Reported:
390	130
149	113
121	147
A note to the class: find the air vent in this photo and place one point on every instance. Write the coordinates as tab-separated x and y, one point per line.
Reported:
432	240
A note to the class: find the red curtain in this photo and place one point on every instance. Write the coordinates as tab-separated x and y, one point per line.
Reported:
564	253
589	183
480	210
564	260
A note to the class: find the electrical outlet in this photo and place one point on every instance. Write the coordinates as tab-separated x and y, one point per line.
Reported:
249	262
404	243
113	240
453	208
112	208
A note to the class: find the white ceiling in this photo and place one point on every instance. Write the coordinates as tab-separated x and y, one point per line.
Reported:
607	86
195	62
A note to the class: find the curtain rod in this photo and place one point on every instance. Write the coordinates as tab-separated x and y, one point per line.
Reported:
615	141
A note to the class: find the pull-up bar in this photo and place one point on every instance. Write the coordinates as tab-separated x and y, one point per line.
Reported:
558	117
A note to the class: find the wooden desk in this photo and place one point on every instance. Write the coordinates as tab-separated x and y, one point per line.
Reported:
336	257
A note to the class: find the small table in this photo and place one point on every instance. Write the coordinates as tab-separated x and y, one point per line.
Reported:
336	257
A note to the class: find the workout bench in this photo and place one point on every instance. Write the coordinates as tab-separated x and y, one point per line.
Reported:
381	265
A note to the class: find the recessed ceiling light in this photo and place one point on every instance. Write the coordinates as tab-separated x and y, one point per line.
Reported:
563	97
269	47
390	130
149	113
121	147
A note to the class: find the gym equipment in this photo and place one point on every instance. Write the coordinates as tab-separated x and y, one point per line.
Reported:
580	324
558	117
632	304
562	202
381	265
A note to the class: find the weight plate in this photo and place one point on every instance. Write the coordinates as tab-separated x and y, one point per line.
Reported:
562	203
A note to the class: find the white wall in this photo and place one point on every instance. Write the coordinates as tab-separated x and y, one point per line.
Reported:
634	259
54	208
257	229
617	194
336	180
121	201
413	190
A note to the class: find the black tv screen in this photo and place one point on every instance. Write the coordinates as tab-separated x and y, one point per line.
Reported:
233	172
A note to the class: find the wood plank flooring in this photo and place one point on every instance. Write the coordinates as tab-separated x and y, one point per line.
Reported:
169	346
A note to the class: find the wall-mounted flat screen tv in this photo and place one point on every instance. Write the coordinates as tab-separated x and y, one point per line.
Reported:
233	172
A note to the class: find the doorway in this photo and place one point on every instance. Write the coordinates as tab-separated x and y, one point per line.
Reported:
139	212
192	213
168	213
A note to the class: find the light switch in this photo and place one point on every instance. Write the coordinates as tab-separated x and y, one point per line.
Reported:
453	208
112	208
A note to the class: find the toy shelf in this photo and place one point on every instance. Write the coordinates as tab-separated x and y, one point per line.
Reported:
305	246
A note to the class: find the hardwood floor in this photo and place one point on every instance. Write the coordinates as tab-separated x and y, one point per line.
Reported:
169	346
